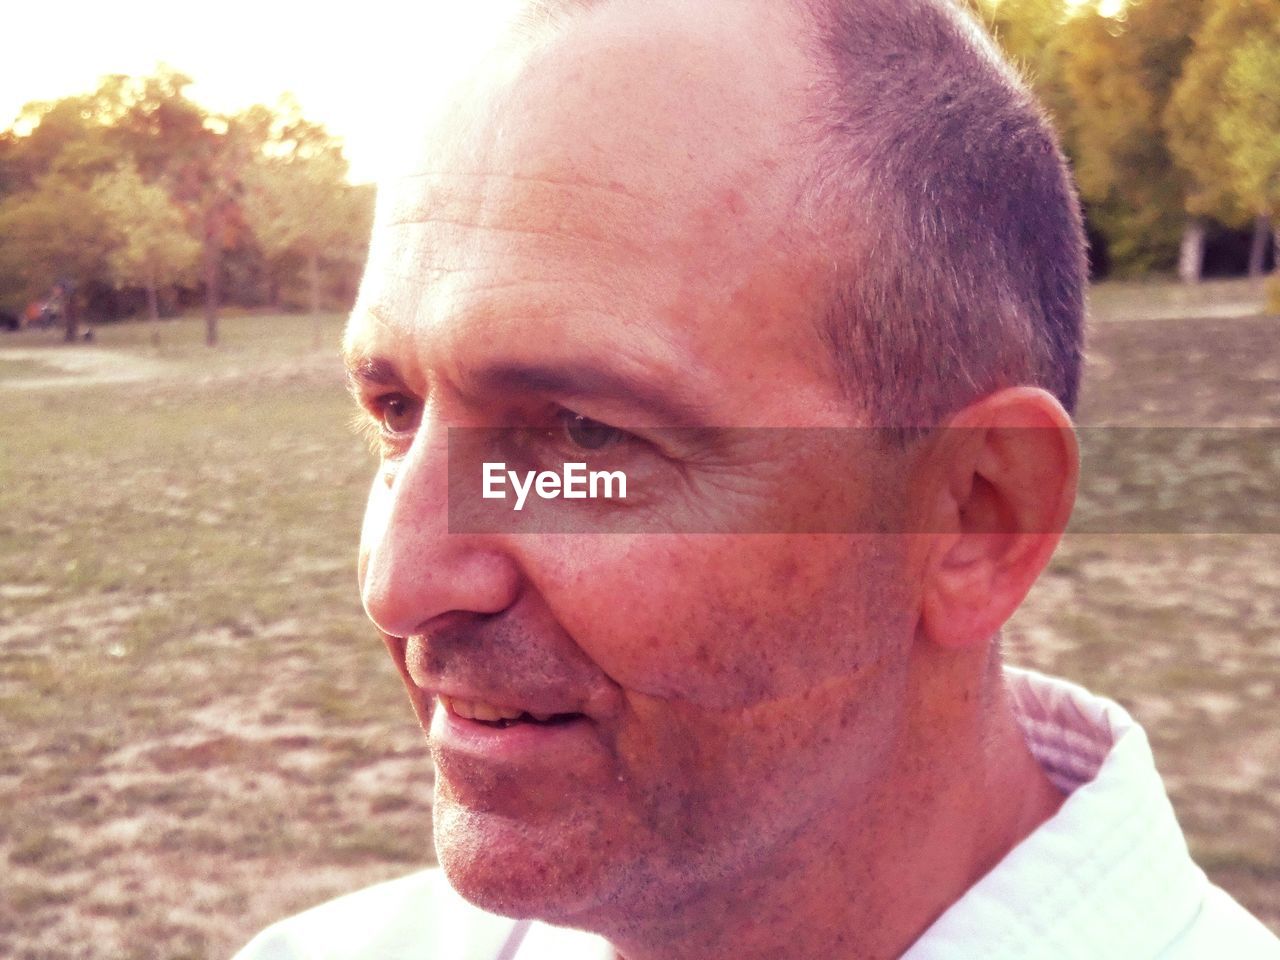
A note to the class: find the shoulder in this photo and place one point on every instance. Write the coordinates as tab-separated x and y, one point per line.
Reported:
418	916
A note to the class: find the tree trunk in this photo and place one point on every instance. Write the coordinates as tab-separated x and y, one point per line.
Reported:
1191	256
1258	249
71	316
153	307
210	289
153	298
313	281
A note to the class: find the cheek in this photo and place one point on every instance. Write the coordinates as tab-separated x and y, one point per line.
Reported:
724	779
725	622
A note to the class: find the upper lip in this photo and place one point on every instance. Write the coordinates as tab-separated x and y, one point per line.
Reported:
510	686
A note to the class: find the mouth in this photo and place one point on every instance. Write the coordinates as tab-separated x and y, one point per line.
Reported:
501	717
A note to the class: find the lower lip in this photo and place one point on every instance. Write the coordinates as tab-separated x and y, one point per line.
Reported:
518	742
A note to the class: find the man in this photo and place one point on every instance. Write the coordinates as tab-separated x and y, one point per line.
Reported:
693	242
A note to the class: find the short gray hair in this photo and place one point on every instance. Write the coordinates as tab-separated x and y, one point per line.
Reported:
956	237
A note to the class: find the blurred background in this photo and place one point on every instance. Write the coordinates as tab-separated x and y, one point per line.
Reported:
200	734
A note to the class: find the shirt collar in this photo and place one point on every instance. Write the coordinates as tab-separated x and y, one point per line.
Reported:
1109	875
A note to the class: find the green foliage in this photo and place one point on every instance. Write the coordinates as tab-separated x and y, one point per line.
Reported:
1030	34
298	203
1120	73
1167	108
1196	106
54	230
301	205
1248	123
159	127
134	184
154	246
67	129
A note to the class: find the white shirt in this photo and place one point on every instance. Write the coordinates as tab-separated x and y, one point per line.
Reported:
1108	877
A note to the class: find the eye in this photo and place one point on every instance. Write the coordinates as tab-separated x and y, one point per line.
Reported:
397	413
588	434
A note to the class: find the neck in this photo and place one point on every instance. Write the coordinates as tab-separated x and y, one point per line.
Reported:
867	880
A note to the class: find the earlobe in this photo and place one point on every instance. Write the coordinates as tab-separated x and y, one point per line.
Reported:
1009	465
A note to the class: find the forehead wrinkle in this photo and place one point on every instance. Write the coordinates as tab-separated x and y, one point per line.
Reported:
564	216
432	220
577	183
460	313
502	286
424	276
434	281
477	325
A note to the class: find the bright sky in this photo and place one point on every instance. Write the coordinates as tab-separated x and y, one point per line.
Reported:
351	64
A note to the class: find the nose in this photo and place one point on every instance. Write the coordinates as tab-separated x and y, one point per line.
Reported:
412	569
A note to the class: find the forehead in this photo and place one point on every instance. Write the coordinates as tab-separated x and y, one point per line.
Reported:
624	185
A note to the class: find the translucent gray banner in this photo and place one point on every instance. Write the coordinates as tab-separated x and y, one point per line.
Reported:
828	480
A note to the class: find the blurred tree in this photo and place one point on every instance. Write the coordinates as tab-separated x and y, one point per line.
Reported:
1030	33
54	232
298	201
200	157
155	249
208	183
305	207
1120	72
74	144
1204	111
10	160
65	127
149	124
160	126
1248	123
148	127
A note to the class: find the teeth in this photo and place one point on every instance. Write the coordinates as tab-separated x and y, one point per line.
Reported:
478	710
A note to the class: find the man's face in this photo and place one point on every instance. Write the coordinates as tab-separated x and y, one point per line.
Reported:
607	234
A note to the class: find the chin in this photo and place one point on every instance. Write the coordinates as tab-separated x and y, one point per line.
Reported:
505	867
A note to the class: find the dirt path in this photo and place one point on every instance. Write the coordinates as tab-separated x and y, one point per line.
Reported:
83	366
1242	309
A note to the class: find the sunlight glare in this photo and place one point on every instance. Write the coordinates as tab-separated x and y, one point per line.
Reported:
355	67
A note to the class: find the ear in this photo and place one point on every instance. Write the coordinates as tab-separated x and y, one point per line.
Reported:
1005	471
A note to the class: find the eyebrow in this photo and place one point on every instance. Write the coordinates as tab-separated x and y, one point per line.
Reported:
362	370
571	380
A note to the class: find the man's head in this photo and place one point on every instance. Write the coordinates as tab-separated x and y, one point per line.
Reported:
640	218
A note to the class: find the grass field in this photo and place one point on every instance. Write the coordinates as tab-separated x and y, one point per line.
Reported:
201	734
